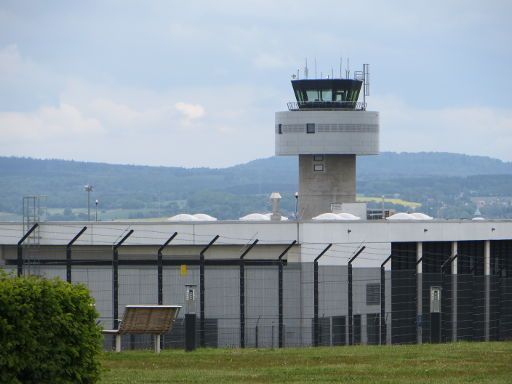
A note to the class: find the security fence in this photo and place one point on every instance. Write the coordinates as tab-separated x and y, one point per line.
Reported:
431	296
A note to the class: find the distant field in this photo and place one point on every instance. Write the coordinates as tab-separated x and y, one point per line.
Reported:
111	214
405	203
442	363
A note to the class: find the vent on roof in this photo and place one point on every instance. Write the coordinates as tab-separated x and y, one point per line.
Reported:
372	294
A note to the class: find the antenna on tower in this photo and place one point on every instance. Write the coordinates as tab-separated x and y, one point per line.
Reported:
306	71
347	71
315	68
366	82
341	66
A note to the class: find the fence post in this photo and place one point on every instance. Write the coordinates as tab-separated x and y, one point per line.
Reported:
487	289
315	296
500	301
201	292
242	293
280	293
453	279
19	248
115	280
419	292
68	254
383	329
160	279
350	316
159	262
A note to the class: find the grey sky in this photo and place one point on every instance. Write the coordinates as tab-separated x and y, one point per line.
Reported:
197	83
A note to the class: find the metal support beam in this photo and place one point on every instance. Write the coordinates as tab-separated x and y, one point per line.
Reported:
201	292
20	248
115	280
68	253
350	299
316	328
280	293
159	262
152	263
383	329
242	293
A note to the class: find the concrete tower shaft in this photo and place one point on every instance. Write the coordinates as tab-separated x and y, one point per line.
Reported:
335	184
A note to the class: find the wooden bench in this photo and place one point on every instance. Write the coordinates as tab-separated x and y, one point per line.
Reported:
145	319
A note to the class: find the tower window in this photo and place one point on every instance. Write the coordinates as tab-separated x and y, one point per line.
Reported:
318	157
318	168
310	128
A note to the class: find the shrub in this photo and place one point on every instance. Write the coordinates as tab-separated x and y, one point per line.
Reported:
48	332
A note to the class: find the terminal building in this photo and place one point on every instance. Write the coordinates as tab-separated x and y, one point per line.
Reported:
325	277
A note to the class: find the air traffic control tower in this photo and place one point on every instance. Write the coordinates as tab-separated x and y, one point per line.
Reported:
327	127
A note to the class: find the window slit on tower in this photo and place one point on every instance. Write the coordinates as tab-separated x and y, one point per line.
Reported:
318	163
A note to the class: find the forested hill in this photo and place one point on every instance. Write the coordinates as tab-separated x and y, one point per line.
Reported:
391	164
146	191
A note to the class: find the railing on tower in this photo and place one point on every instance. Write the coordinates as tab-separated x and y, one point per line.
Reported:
326	105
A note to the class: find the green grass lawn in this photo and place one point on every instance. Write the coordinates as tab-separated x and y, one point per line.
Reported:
442	363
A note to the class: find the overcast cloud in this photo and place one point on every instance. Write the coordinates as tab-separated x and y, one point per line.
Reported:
197	83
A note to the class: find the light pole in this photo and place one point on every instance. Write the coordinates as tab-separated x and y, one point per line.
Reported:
296	204
88	189
97	209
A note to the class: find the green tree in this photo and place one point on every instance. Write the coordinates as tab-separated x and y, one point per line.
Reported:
48	332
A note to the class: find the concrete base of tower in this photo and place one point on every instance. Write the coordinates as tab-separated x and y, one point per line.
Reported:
325	180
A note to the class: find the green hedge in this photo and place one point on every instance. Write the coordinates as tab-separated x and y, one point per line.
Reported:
48	332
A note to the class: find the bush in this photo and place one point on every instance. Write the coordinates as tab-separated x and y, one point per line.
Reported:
48	332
